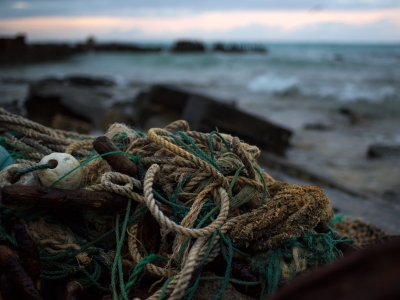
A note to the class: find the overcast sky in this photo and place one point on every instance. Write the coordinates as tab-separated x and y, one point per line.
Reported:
238	20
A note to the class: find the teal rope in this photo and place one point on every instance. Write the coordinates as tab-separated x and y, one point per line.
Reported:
228	257
235	177
119	248
264	184
93	279
337	219
151	258
117	263
195	150
114	265
189	293
164	288
31	169
210	144
186	241
320	248
136	216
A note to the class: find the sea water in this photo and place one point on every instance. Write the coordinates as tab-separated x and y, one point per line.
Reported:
292	85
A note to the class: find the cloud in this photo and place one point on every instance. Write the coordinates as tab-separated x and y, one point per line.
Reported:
377	25
160	8
379	31
19	5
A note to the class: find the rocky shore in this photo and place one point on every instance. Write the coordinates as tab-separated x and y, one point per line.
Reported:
88	104
15	50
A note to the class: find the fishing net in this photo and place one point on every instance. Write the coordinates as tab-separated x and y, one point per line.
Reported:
199	198
362	233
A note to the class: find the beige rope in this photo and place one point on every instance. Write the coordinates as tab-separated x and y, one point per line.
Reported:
152	172
79	145
178	125
188	269
36	135
108	182
239	151
134	251
28	123
158	135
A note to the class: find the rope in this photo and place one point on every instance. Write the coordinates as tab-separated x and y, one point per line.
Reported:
152	172
156	136
31	169
200	195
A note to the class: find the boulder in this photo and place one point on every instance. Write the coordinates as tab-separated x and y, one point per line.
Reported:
381	151
206	114
78	98
114	115
188	46
63	122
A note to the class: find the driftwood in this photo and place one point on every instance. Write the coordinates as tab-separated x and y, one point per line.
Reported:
61	198
27	249
118	162
14	271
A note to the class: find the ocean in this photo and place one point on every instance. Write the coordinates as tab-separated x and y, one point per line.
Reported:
293	85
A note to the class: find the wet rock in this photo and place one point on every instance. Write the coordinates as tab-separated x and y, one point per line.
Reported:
89	81
16	50
317	126
116	116
381	151
239	48
78	98
206	114
353	117
188	46
70	124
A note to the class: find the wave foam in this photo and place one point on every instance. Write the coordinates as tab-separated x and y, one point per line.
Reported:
352	93
274	84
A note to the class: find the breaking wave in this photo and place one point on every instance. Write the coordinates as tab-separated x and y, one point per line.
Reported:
274	84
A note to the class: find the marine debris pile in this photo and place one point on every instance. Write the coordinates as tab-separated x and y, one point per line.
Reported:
133	215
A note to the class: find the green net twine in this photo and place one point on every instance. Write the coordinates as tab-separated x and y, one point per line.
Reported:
135	159
210	143
313	248
31	169
151	258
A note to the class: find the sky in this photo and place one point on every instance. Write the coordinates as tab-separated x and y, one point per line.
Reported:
365	21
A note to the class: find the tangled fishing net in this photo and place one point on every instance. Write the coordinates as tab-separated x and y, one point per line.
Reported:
201	204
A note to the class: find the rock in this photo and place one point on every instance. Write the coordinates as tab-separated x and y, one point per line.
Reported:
239	48
115	116
88	81
16	50
82	99
206	114
188	46
353	117
317	126
70	124
381	151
